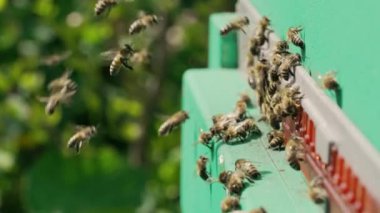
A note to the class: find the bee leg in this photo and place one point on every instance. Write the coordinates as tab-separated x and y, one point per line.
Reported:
243	31
125	63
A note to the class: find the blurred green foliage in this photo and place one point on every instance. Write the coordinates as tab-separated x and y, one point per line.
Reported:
125	166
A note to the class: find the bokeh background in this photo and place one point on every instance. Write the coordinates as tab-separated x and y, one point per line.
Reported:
125	167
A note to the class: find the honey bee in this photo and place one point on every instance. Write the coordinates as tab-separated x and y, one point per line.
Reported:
260	71
254	46
82	135
329	81
241	130
230	203
221	124
276	140
141	56
293	35
62	84
260	31
205	138
237	24
142	23
249	170
317	191
104	5
281	47
202	168
240	110
119	58
294	152
289	63
233	181
55	59
173	122
55	99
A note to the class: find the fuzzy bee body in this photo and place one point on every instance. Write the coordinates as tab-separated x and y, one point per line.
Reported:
329	81
294	152
142	23
121	58
289	63
235	25
249	170
80	137
103	5
230	203
202	168
233	181
53	101
62	84
317	192
276	140
173	122
293	35
205	138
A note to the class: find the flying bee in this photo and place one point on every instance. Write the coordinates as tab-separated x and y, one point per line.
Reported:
104	5
55	99
142	23
141	56
82	135
294	152
202	168
249	170
205	138
276	140
119	58
62	84
237	24
55	59
317	191
329	81
294	36
230	203
173	122
289	63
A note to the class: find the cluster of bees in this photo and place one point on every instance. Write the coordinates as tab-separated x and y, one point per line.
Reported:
271	74
63	88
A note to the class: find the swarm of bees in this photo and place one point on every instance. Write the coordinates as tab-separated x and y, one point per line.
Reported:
63	88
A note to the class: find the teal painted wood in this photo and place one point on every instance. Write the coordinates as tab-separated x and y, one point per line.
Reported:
205	93
339	35
222	50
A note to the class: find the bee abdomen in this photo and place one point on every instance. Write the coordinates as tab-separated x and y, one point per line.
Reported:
102	5
296	40
136	27
276	143
115	65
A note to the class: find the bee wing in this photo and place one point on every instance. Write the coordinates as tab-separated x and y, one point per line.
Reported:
109	55
43	99
141	14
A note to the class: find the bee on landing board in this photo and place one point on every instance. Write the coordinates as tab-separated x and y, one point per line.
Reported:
294	152
143	22
276	139
294	36
237	24
119	58
205	138
230	203
82	135
250	171
317	192
102	6
233	181
288	65
173	122
202	168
